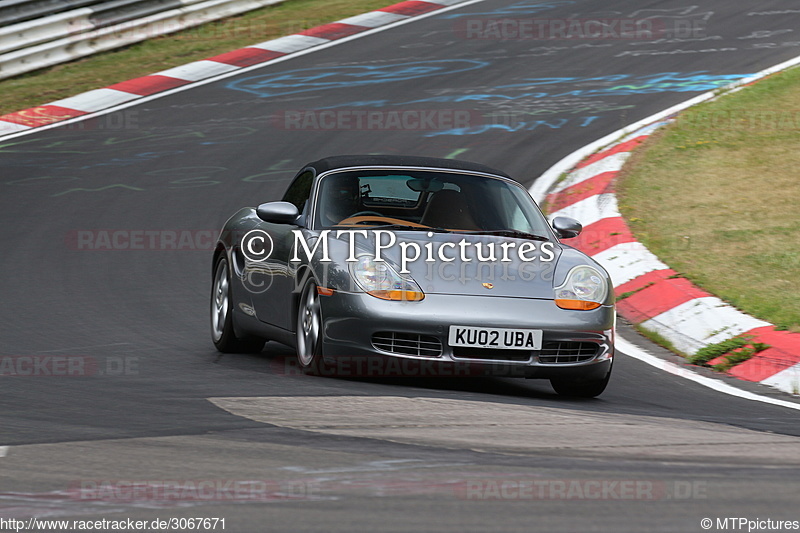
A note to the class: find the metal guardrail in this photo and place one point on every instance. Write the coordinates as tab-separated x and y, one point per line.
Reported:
119	11
60	37
15	11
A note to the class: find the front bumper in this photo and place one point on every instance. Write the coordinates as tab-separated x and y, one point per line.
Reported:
353	321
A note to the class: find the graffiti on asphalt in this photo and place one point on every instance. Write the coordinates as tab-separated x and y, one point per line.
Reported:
520	125
348	76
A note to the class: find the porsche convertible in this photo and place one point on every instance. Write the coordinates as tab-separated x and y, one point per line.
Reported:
405	259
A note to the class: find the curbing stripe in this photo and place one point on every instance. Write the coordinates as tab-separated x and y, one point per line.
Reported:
627	261
147	85
644	280
291	43
40	116
626	146
782	355
374	19
413	8
700	322
598	184
245	57
658	298
611	163
787	380
197	70
591	209
94	100
334	31
602	235
8	126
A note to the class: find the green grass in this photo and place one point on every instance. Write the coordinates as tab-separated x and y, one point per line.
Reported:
657	338
712	351
160	53
715	195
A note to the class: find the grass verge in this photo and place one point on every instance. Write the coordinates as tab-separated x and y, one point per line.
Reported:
715	196
160	53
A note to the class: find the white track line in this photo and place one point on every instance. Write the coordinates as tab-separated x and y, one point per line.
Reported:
630	349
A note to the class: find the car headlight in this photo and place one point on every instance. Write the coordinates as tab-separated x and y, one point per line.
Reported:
380	280
584	289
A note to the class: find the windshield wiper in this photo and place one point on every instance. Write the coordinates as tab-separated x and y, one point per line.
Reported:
413	228
508	233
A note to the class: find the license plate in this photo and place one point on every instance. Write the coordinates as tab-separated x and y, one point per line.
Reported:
498	338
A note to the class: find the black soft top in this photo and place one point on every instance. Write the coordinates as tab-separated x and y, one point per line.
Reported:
344	161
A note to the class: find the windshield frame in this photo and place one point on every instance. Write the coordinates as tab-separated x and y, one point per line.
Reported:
314	224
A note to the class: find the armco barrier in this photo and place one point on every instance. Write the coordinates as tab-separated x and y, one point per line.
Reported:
15	11
62	37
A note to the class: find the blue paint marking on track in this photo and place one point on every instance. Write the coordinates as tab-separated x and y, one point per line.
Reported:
659	82
698	81
317	79
554	124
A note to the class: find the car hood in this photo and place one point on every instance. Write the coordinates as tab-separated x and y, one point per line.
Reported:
468	273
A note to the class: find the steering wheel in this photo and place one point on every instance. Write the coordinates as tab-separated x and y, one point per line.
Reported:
362	214
365	213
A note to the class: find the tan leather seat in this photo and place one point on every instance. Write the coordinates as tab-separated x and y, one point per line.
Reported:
449	209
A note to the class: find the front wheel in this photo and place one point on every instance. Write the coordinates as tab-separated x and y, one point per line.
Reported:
222	332
309	330
580	388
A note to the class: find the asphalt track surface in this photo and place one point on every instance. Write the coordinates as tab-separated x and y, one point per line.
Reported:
138	318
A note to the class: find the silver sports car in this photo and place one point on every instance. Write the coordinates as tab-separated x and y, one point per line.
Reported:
414	264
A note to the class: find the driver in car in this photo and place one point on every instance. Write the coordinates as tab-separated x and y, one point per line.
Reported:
341	199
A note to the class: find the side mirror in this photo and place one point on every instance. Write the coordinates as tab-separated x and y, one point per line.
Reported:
566	227
278	212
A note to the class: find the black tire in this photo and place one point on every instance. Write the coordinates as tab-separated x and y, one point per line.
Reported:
309	330
222	332
580	388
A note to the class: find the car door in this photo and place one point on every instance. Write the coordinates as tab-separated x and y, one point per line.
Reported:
273	280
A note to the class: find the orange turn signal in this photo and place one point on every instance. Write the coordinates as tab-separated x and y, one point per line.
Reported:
577	305
408	296
324	291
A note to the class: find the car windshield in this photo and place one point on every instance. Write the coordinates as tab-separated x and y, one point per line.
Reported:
426	200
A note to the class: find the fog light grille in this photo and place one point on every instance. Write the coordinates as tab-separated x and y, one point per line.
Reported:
567	352
407	344
490	354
